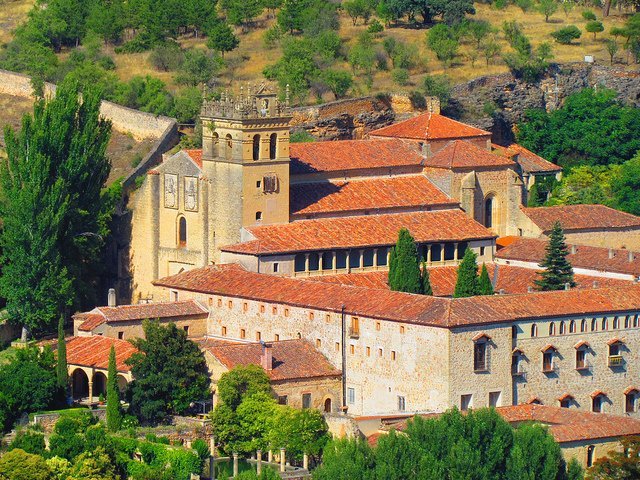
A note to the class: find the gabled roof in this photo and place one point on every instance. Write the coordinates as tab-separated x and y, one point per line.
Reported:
292	359
234	281
94	352
344	155
528	161
462	154
429	126
127	313
360	231
580	217
587	257
367	194
195	155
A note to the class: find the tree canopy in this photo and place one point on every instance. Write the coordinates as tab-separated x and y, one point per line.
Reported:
467	276
404	269
557	269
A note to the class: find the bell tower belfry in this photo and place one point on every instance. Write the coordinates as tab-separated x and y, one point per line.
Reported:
245	159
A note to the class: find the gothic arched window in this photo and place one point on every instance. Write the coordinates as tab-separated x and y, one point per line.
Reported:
256	147
182	232
488	212
273	140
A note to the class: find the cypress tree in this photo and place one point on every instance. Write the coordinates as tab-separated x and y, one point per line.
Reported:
425	282
467	282
484	282
61	366
557	269
392	268
404	271
114	415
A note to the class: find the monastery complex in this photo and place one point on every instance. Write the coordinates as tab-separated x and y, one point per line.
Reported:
277	254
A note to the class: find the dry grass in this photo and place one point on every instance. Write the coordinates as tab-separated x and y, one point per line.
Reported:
12	14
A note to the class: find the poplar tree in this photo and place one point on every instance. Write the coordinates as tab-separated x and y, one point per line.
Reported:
404	271
114	414
485	287
61	365
425	282
55	214
467	282
557	269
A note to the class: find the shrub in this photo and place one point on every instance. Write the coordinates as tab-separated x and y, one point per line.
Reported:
500	4
594	27
167	57
301	136
438	86
566	35
29	441
375	27
400	76
201	448
588	15
525	5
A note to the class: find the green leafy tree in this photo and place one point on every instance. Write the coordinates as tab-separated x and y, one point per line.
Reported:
187	105
485	287
107	19
169	373
338	81
625	185
534	454
222	39
62	373
30	441
357	9
55	216
255	419
444	43
594	27
557	269
612	49
20	465
346	459
292	15
623	464
404	272
479	30
453	12
296	68
547	8
95	465
589	16
467	280
114	414
240	382
574	470
299	432
425	282
199	67
362	55
566	35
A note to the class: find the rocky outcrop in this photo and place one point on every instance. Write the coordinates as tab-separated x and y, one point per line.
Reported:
498	102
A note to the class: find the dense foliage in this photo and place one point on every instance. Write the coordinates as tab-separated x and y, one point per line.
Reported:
619	464
557	270
404	265
169	373
477	445
467	276
114	413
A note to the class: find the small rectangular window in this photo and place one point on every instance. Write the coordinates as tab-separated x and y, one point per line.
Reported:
261	308
258	336
378	326
482	251
311	315
230	304
380	352
581	359
286	312
274	310
480	356
327	318
393	355
258	183
402	329
318	343
210	301
243	333
276	337
494	399
224	331
283	400
174	295
245	306
401	404
276	266
186	329
352	349
120	335
351	396
219	302
306	400
466	402
368	351
337	346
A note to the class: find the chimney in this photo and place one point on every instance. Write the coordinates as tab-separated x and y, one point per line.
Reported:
501	291
595	284
574	249
266	358
111	298
611	253
529	289
567	286
632	257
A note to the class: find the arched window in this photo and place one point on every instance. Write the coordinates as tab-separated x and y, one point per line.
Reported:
552	328
258	216
631	400
299	263
590	451
627	321
488	212
597	402
616	323
534	330
583	325
605	324
182	232
256	147
273	142
228	148
562	328
215	143
594	325
572	326
636	318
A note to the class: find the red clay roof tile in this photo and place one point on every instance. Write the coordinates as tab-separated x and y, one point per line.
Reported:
196	156
429	126
360	231
94	352
343	155
292	359
462	154
369	194
529	161
580	217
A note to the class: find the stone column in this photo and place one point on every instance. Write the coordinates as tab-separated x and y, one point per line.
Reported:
270	456
259	463
212	453
306	263
442	253
429	254
90	392
282	457
305	461
235	464
334	262
361	262
455	251
375	258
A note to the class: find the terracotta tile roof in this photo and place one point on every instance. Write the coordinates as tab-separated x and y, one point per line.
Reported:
94	352
528	161
341	155
125	313
360	231
443	279
370	194
429	126
292	359
565	424
234	281
593	258
581	217
195	155
462	154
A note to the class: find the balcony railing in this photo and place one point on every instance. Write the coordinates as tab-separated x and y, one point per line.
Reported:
615	360
354	332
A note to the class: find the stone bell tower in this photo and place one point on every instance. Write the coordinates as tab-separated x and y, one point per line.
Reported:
245	157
